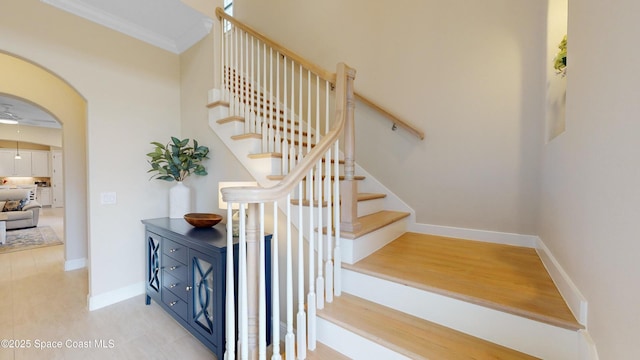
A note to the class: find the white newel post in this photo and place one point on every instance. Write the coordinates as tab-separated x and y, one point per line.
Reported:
349	187
179	200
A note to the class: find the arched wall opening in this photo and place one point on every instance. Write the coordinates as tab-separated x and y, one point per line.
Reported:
33	83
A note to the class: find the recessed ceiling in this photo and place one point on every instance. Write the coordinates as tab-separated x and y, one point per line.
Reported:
25	113
167	24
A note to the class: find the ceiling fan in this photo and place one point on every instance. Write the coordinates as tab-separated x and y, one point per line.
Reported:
7	117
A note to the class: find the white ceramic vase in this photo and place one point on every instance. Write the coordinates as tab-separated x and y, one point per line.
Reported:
179	200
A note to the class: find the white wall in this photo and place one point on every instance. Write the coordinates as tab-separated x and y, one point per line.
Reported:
590	212
133	97
470	74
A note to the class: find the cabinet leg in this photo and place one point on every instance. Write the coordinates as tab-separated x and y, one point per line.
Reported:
148	300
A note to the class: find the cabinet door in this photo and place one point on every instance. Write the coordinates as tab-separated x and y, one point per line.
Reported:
40	163
23	165
57	196
44	196
153	269
6	162
205	302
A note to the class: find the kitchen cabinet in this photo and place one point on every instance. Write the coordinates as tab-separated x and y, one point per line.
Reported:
40	163
186	273
22	167
6	162
43	196
32	163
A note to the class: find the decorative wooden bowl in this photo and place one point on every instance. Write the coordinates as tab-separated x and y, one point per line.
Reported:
202	220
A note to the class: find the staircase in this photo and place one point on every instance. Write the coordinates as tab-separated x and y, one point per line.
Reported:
386	305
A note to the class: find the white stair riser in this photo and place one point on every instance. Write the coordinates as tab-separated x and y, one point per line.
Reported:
352	344
369	207
528	336
354	250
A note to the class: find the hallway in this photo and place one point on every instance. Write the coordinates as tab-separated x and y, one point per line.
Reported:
42	305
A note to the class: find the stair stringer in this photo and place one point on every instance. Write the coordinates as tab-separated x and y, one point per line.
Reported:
525	335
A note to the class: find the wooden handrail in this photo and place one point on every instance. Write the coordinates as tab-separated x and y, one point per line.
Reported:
396	120
324	74
279	191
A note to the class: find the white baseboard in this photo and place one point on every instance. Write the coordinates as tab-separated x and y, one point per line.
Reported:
569	291
75	264
477	235
115	296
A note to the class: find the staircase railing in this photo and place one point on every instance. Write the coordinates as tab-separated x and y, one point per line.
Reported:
286	102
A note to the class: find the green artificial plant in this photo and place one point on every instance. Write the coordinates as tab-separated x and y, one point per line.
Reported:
177	160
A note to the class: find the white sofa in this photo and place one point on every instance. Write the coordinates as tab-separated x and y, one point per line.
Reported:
28	213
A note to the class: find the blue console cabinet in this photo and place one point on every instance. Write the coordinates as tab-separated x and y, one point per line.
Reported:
185	275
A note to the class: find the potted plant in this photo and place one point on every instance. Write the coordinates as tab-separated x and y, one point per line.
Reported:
175	161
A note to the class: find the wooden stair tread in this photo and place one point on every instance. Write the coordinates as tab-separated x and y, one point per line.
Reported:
411	336
373	222
361	197
322	352
278	155
280	177
506	278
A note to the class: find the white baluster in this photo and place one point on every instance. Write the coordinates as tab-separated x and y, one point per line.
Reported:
320	277
302	321
285	158
284	136
275	287
289	339
328	267
311	296
276	142
337	254
265	137
271	110
330	202
300	120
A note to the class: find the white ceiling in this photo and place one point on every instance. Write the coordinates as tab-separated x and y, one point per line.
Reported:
168	24
27	113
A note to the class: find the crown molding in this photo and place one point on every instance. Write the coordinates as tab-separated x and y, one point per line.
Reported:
177	45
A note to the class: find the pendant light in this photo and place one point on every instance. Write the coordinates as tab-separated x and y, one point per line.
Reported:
17	157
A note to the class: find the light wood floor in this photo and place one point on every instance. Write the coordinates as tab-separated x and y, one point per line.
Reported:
507	278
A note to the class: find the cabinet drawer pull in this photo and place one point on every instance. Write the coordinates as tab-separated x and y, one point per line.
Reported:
172	286
173	303
189	288
173	268
173	250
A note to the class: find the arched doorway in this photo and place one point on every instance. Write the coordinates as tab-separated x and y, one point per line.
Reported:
33	83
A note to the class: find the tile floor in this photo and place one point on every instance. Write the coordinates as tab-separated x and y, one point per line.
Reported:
42	305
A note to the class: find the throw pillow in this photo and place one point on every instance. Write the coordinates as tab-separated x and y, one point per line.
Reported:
2	205
23	202
11	205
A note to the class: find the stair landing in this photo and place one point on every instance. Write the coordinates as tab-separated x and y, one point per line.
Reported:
506	278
